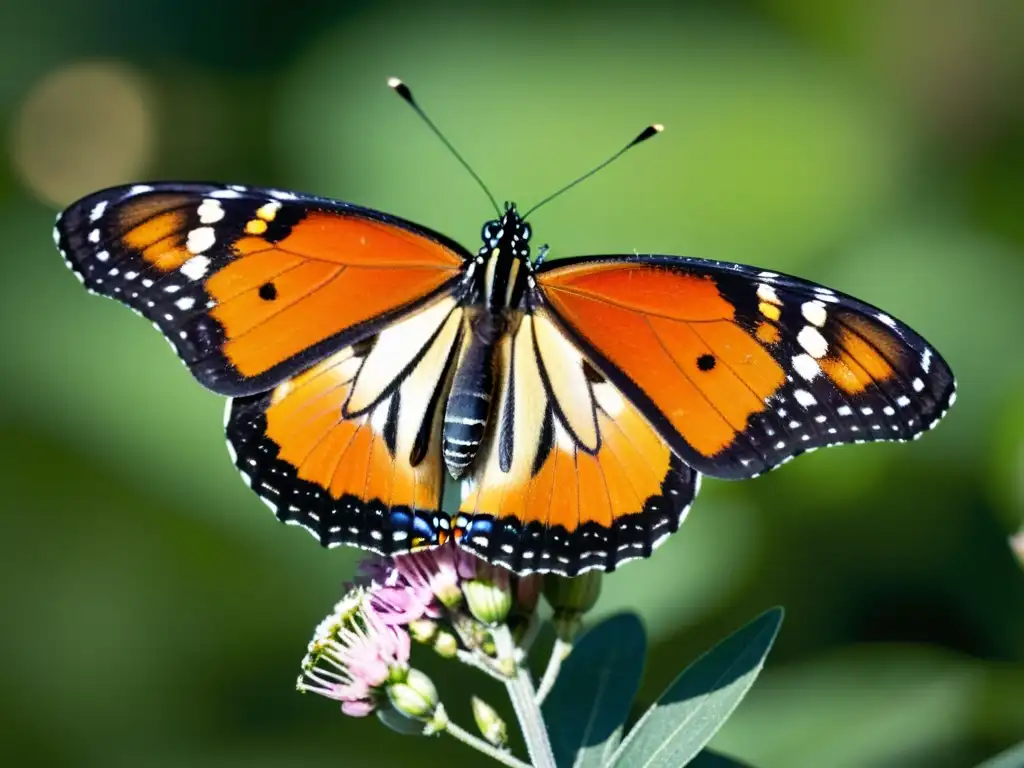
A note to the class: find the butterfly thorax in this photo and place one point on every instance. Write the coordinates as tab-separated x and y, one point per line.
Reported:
499	274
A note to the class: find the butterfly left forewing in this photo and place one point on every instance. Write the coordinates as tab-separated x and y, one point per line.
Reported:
371	476
249	285
738	369
572	477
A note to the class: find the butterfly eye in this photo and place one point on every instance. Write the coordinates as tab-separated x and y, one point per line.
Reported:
525	232
490	231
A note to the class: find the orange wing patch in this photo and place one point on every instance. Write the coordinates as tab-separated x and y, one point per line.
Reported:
556	505
675	336
156	230
330	274
863	356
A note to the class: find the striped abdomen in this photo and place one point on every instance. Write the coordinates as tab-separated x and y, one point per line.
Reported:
469	403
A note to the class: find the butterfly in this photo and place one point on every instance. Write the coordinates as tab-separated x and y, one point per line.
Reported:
577	400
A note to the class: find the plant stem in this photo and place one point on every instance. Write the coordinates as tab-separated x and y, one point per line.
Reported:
501	755
532	630
520	691
559	653
473	660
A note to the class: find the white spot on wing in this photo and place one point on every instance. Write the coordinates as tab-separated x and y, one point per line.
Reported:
97	210
185	303
766	293
805	398
812	341
806	366
200	238
195	268
814	312
885	319
926	360
210	211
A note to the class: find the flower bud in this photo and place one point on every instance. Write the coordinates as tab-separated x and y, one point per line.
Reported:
399	723
416	697
491	726
422	630
528	593
1017	545
446	645
570	599
489	596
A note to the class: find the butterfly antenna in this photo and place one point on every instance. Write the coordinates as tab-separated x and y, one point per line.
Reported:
649	132
403	90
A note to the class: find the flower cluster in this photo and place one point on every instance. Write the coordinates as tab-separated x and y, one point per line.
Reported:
443	598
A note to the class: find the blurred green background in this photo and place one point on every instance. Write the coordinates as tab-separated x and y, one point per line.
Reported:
154	614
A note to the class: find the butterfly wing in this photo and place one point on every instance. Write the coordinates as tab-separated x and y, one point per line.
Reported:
350	449
249	285
740	370
572	477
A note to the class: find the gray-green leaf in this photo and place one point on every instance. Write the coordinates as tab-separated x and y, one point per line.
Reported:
700	700
587	707
1011	758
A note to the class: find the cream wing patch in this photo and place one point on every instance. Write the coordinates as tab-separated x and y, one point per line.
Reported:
563	366
396	347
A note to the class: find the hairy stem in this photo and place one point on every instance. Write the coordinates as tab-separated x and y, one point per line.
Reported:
520	691
501	755
559	653
479	662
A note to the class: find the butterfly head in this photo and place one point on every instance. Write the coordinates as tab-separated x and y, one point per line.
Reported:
510	231
505	252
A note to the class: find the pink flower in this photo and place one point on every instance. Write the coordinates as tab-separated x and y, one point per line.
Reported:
404	588
353	654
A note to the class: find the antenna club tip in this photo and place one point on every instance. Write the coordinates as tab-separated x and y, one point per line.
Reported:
657	127
394	82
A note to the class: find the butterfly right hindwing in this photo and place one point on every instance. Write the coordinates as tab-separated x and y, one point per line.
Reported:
573	478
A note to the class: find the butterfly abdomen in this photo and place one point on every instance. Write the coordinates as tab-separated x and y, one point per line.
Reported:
469	402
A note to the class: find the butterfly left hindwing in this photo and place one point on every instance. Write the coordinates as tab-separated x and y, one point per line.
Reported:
350	449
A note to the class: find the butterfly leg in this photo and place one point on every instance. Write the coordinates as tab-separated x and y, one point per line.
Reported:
542	252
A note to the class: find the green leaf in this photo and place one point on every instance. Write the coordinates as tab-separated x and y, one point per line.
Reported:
701	699
586	709
1011	758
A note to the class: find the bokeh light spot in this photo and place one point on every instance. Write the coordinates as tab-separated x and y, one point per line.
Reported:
82	127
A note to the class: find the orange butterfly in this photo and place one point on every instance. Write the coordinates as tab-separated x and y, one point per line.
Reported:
578	401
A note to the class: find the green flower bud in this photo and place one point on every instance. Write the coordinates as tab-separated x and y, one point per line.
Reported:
528	593
491	726
399	723
1017	545
446	645
422	630
416	697
489	596
571	599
